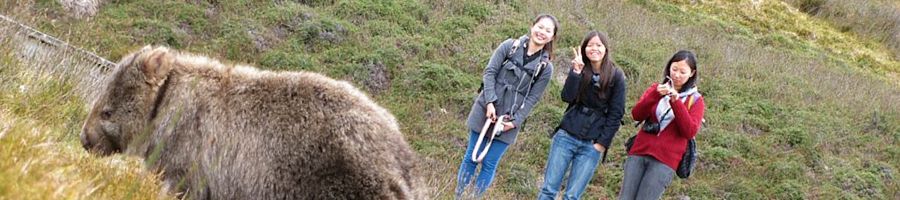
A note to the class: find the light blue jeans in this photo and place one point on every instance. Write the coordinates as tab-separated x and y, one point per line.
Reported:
488	166
567	150
645	178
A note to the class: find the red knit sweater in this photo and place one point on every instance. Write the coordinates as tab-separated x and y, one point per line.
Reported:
671	143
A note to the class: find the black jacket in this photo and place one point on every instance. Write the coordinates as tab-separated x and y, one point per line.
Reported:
594	118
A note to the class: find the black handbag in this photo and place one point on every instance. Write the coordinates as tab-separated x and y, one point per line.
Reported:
688	160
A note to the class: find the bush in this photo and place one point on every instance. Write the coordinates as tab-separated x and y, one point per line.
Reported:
861	184
786	170
810	6
280	60
157	33
789	189
432	77
456	27
410	15
794	137
717	157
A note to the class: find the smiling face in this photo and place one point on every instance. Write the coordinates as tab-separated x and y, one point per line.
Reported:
595	50
121	110
543	31
680	72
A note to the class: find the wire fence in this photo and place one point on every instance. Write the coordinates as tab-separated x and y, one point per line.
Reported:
43	55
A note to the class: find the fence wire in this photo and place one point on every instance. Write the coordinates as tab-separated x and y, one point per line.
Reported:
45	56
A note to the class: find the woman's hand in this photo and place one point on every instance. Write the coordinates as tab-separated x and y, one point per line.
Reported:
577	63
673	95
599	147
508	126
491	112
663	89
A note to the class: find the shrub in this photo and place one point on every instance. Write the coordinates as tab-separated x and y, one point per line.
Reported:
789	189
794	137
861	184
280	60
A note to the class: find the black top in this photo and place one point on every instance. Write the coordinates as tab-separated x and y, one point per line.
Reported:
594	118
530	58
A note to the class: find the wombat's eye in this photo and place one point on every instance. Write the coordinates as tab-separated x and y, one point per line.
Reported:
106	114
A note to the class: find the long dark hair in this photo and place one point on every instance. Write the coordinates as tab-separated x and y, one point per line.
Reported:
607	67
549	46
691	61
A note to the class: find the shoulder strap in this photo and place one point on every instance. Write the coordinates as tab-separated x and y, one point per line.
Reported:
512	50
508	56
691	101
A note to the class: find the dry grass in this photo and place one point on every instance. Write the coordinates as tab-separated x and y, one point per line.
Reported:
42	161
877	19
42	104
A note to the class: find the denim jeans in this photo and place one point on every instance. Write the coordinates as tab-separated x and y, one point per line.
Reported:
488	166
567	150
645	178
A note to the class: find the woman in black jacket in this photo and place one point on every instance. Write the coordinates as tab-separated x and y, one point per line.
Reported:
595	91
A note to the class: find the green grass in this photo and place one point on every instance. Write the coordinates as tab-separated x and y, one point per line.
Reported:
797	108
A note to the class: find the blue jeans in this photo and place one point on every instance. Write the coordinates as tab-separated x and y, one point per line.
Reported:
645	178
488	166
566	150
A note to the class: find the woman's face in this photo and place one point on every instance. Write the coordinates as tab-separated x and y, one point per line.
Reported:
542	31
595	50
680	72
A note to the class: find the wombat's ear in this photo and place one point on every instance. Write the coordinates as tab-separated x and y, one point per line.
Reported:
156	64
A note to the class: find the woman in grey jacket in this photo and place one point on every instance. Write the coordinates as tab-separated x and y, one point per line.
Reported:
595	91
514	80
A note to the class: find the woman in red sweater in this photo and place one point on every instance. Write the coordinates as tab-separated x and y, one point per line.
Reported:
669	124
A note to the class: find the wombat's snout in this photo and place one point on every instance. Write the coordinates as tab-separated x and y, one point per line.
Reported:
84	139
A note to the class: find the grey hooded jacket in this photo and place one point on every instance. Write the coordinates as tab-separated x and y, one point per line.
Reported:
506	86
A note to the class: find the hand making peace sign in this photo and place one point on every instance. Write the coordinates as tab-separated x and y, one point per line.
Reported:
577	63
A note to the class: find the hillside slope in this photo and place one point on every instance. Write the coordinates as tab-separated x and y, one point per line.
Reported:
797	107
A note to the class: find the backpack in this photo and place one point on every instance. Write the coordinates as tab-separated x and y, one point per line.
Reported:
689	158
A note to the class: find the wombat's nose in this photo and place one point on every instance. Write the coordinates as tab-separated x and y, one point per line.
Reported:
84	140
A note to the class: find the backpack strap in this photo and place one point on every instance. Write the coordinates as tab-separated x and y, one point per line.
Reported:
691	101
515	46
538	71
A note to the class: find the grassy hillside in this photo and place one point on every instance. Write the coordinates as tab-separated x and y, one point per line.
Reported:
798	106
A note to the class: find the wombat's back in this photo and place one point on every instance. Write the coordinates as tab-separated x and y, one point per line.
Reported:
303	135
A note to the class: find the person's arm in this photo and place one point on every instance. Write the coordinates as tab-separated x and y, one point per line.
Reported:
688	121
490	72
535	95
645	106
570	88
615	110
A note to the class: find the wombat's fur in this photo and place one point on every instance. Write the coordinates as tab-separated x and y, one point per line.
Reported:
234	132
